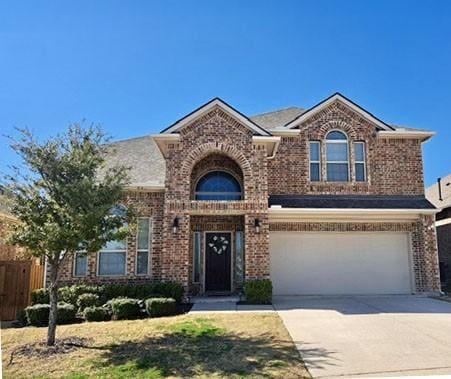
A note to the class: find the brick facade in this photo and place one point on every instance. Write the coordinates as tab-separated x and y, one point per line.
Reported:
216	140
394	166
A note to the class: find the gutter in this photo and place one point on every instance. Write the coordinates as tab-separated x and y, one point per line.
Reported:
277	213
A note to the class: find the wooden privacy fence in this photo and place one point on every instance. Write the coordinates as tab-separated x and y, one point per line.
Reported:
17	280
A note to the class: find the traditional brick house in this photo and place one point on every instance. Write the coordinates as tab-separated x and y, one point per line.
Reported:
439	194
328	200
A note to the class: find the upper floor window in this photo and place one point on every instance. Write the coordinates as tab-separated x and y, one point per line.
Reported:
360	166
337	157
315	161
218	185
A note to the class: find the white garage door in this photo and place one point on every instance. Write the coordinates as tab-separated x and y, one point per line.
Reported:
340	263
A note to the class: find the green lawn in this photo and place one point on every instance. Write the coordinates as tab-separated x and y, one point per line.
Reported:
243	345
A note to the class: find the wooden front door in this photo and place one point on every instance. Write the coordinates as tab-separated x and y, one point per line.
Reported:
218	254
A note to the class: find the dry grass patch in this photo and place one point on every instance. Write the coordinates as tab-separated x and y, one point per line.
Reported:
210	346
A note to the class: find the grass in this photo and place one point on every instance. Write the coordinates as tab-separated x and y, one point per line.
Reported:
212	346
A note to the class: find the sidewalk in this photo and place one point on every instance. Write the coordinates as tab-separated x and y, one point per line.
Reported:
225	304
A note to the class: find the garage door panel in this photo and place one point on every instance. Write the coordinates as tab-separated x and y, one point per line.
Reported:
340	263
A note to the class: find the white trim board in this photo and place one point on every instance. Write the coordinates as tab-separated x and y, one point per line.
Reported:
344	215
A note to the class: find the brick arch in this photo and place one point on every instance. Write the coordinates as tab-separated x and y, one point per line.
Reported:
202	151
339	125
215	162
210	148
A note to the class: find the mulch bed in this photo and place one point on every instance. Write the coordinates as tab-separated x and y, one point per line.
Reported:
40	349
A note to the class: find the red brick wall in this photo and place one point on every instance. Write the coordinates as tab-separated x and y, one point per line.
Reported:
148	204
8	252
214	134
394	166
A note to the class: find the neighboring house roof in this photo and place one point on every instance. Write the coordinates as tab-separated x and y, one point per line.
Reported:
277	118
142	155
350	202
432	193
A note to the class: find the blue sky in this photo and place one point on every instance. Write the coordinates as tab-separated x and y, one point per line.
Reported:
137	66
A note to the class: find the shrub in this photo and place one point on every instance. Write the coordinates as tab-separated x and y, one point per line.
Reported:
38	315
70	294
40	296
170	290
21	318
124	308
258	291
87	300
66	313
96	314
157	307
143	291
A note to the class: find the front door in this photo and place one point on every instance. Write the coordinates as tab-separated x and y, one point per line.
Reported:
218	248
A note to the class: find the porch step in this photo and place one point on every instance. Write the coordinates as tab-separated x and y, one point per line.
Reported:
215	299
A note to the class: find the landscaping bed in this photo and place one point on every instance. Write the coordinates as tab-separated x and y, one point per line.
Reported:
211	346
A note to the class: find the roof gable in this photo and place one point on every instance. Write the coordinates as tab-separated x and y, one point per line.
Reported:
216	102
325	103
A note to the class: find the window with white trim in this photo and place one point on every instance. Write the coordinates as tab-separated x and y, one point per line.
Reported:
143	245
196	257
359	163
80	263
315	161
337	157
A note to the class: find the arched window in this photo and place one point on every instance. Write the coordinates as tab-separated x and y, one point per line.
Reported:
337	156
218	185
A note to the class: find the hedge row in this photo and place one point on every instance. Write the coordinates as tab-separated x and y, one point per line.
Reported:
38	315
71	294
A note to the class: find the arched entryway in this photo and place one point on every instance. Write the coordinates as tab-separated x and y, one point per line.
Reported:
217	241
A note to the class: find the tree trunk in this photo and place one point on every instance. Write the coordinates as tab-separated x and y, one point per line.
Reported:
53	292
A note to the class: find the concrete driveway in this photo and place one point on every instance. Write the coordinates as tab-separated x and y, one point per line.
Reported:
369	336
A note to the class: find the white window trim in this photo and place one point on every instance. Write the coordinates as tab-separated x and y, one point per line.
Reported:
75	265
312	161
200	258
149	247
347	162
360	162
113	251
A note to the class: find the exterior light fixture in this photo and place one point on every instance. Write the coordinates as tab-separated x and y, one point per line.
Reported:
175	224
257	224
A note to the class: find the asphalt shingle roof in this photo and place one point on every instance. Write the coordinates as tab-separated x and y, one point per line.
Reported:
142	155
351	201
278	118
